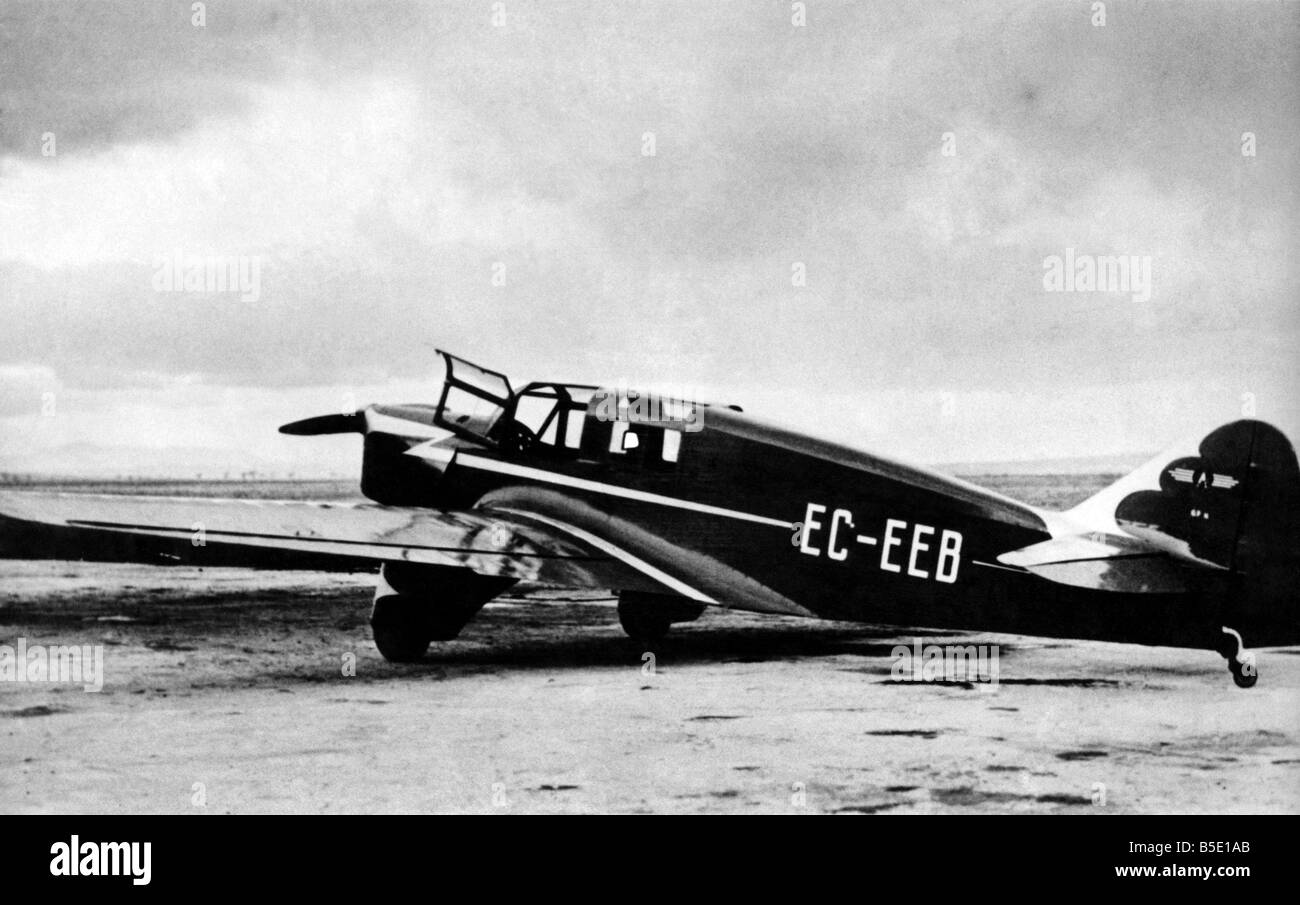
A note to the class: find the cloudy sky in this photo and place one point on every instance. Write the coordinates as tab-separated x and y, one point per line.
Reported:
382	163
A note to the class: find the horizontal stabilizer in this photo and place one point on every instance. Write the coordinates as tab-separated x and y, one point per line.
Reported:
1102	562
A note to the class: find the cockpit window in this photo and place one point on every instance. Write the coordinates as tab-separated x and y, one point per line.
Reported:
473	399
535	410
477	380
553	414
464	409
672	445
481	405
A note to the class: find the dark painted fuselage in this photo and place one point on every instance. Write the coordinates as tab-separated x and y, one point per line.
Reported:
834	532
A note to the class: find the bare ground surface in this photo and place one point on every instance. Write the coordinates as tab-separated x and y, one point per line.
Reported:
234	680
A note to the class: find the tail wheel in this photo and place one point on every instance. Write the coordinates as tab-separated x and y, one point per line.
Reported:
1241	662
1245	675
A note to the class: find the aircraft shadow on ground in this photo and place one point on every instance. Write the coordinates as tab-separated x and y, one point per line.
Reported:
547	647
552	636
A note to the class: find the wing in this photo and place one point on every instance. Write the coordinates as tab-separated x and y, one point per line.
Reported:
305	535
522	532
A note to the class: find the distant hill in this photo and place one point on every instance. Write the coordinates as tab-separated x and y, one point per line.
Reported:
1080	465
88	460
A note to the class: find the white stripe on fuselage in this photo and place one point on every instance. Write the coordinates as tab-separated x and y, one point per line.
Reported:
1058	524
619	553
444	455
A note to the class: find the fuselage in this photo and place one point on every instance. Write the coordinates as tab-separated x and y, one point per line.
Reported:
828	530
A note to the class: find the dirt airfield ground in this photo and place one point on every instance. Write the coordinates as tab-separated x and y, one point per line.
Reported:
224	692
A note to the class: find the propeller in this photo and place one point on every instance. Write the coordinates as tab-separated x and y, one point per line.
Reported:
354	423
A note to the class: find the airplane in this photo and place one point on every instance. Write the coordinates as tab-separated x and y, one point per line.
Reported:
686	505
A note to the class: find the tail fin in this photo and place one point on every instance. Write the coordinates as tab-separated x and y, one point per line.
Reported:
1232	503
1225	502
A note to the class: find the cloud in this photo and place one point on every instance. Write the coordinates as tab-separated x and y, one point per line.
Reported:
26	389
410	176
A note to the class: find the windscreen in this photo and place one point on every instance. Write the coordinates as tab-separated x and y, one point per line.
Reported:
473	398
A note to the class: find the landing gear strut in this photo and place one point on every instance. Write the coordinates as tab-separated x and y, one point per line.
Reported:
1241	662
647	617
417	604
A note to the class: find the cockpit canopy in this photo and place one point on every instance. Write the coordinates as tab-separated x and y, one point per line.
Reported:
480	405
546	417
473	399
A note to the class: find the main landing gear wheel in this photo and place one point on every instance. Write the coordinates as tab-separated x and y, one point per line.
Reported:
1241	662
403	628
399	632
416	605
644	628
647	617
